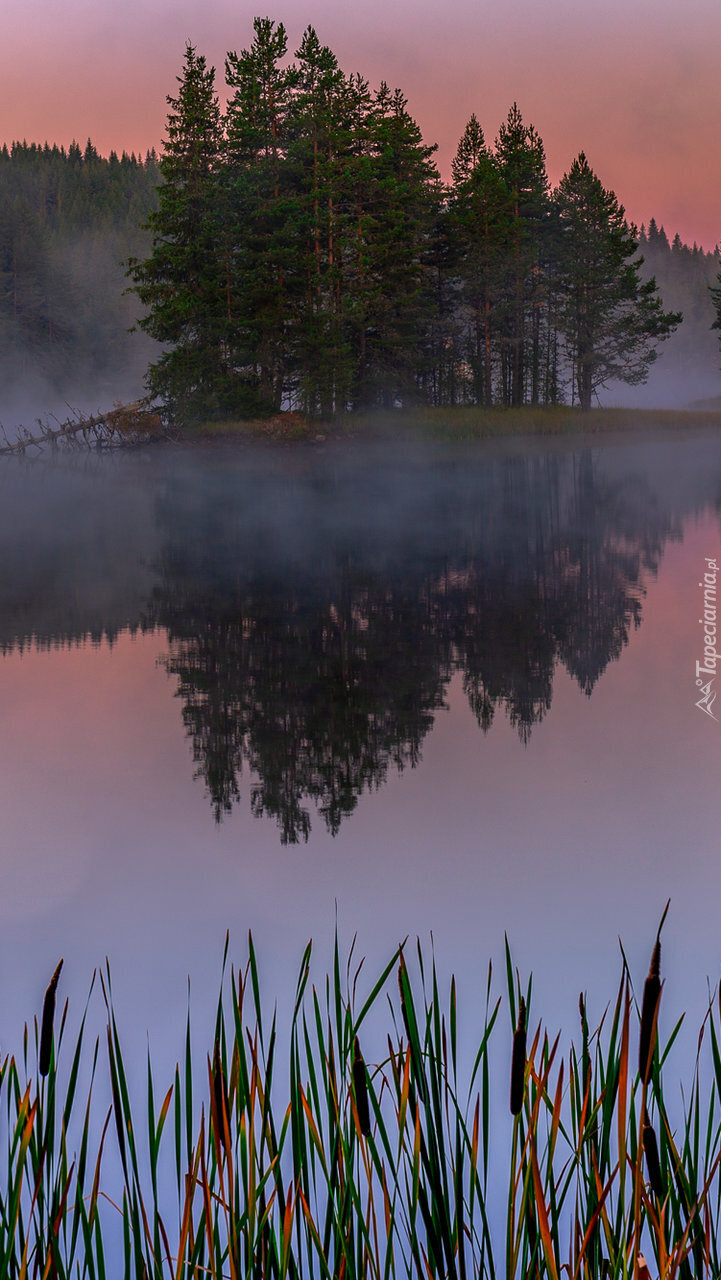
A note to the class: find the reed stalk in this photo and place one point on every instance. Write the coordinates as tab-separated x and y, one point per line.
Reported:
373	1162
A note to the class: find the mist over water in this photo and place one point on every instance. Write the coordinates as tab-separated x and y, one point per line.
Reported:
669	387
23	404
118	539
28	394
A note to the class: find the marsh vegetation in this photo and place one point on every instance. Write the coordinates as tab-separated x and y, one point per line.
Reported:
380	1148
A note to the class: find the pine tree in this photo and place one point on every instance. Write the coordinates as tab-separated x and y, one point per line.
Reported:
353	258
395	299
522	162
261	203
183	282
480	221
318	158
469	153
611	321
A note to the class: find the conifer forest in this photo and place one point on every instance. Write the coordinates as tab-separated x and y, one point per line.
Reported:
69	220
297	248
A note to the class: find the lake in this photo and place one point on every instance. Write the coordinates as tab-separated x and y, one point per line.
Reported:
414	690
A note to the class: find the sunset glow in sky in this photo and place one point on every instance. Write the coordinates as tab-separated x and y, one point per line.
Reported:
634	83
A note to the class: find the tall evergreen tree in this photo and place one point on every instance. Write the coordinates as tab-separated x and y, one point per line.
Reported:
470	151
611	321
263	235
396	300
480	219
183	282
318	156
521	159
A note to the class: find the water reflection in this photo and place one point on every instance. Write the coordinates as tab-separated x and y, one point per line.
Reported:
318	674
317	606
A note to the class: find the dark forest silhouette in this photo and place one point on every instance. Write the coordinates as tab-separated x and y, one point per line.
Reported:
307	255
329	265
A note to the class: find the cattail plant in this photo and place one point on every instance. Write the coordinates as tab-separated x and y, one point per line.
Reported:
649	1007
653	1164
219	1108
383	1177
585	1054
46	1033
518	1059
360	1090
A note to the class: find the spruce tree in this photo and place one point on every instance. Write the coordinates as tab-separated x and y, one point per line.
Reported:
480	222
183	283
521	158
611	321
396	302
356	211
318	155
260	201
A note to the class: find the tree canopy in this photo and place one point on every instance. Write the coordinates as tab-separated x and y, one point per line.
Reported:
297	249
306	254
609	320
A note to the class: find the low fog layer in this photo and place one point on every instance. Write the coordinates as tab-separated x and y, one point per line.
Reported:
687	367
93	355
86	536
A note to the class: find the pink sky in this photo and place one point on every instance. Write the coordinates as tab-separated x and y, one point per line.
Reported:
636	85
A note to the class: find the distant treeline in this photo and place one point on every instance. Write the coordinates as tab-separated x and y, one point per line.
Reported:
683	276
69	220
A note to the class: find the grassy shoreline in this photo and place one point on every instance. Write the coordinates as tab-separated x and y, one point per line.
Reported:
375	1152
462	423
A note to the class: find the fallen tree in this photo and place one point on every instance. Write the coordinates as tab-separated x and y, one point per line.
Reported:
122	426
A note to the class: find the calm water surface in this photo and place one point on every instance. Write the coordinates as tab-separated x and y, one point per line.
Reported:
419	691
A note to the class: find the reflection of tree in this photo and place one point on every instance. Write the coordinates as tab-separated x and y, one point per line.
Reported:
318	695
616	541
318	662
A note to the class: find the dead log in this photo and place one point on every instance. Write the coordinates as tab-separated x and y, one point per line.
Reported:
123	426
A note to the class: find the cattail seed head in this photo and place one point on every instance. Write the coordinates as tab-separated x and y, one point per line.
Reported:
649	1014
649	1006
360	1090
219	1093
518	1060
46	1033
585	1057
653	1164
